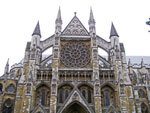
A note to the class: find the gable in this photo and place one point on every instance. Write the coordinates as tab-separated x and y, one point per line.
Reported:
75	27
39	109
75	96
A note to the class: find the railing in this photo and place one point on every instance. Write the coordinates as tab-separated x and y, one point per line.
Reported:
75	75
106	76
44	75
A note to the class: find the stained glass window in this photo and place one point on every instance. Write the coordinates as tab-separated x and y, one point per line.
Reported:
107	102
141	93
11	89
60	96
89	96
7	108
43	97
75	54
144	108
83	93
66	94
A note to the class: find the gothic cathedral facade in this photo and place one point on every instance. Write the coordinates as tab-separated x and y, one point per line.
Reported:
75	78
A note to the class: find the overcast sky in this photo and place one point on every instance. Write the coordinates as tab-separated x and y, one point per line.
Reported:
19	17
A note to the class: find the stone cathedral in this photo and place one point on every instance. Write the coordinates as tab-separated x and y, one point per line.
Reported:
75	77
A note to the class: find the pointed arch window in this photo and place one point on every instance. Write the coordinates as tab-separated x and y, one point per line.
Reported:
83	93
66	94
144	108
60	96
7	108
43	97
141	93
107	101
10	89
89	97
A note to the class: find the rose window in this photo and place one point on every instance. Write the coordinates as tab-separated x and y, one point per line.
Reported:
75	54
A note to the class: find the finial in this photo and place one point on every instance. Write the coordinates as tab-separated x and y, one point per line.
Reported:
58	19
91	19
75	13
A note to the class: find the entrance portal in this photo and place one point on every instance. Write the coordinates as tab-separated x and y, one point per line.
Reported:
75	108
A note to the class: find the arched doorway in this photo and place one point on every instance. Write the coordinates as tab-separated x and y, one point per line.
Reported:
75	107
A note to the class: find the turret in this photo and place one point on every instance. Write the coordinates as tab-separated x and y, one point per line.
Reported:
36	35
58	23
92	22
114	37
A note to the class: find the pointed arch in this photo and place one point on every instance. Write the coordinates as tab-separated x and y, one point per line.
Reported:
42	94
108	95
11	88
64	90
7	106
75	107
144	108
141	93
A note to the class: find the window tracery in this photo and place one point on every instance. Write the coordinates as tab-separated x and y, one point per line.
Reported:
144	108
141	93
108	96
87	93
63	93
75	54
7	107
43	95
11	88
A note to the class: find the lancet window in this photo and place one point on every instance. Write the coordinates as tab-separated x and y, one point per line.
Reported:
108	96
64	92
7	107
43	95
87	92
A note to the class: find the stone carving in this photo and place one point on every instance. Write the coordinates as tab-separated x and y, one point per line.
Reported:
75	54
75	28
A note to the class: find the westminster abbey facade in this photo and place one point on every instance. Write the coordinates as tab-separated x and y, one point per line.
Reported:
75	77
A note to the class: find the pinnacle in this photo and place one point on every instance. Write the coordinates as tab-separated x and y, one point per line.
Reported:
37	30
142	63
91	19
129	63
59	16
113	31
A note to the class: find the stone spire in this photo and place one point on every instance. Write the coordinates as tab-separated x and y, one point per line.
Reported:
58	22
7	67
37	30
113	31
142	63
129	63
91	19
58	19
92	23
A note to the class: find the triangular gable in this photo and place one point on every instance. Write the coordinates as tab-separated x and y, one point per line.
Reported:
75	96
39	108
75	27
111	108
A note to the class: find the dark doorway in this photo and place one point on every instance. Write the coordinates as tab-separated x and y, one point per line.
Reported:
75	108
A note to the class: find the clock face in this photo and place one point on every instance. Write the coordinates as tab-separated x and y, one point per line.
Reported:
75	54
